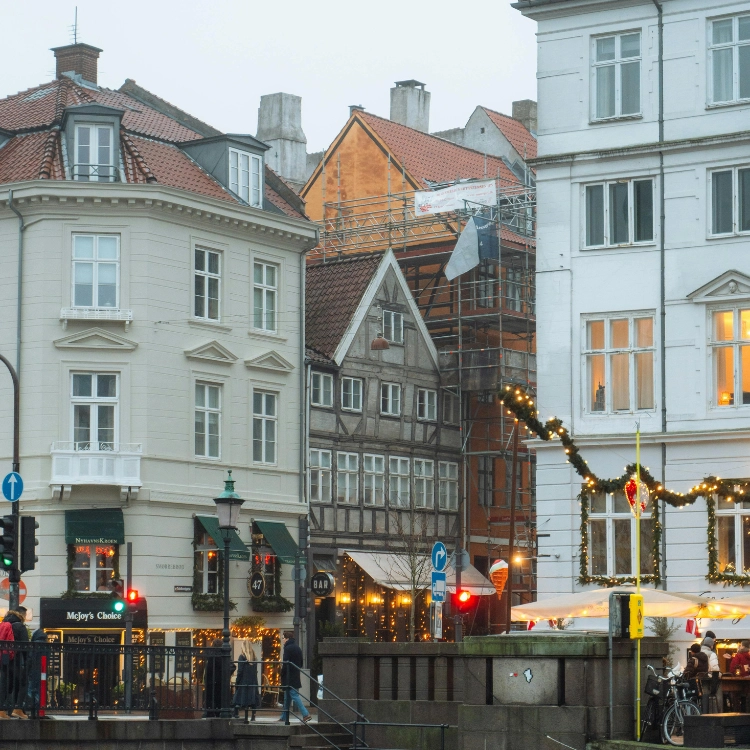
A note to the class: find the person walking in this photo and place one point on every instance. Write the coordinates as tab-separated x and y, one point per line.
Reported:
246	693
290	677
13	690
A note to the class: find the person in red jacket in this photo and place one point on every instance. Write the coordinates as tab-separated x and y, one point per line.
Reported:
740	664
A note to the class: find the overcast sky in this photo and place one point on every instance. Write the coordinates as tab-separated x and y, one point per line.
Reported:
215	59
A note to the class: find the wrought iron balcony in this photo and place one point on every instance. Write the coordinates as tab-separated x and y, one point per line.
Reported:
96	173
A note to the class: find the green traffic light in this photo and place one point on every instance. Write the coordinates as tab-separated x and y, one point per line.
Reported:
7	563
118	606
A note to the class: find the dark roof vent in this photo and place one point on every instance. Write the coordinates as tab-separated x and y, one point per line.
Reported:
81	59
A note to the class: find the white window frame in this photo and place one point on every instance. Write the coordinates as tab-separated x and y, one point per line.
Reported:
347	478
617	63
607	211
734	46
373	485
319	476
736	203
390	399
393	326
268	424
206	410
424	483
204	548
448	485
736	343
356	391
738	511
319	394
94	443
93	569
93	171
246	176
207	278
399	482
95	261
607	352
427	405
265	317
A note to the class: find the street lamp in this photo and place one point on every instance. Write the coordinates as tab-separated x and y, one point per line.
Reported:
228	506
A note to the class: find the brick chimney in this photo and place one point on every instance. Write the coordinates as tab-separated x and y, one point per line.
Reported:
80	59
525	111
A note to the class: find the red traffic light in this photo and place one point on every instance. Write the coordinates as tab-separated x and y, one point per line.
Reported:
133	595
464	597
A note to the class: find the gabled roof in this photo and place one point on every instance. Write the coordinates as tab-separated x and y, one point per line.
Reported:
516	132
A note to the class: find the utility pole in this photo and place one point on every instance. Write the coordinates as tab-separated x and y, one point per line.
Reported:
14	574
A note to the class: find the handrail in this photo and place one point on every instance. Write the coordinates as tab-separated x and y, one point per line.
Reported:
326	689
356	745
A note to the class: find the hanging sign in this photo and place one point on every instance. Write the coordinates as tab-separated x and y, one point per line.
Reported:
322	584
256	585
499	576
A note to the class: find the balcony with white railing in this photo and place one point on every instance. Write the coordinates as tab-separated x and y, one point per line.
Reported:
110	464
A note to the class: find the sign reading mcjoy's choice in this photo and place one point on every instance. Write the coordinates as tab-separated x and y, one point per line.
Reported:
94	613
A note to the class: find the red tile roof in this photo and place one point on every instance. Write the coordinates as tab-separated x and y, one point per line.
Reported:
31	157
332	294
516	132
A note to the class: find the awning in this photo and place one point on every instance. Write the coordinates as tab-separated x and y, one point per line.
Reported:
394	571
94	526
277	535
237	548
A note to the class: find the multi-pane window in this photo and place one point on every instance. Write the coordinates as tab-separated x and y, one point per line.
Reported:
730	341
619	360
207	284
94	399
322	389
427	405
96	260
611	536
398	482
393	327
374	479
207	565
448	485
733	536
390	399
729	52
207	420
265	295
94	154
245	176
617	75
619	213
265	419
730	201
320	475
347	477
485	480
424	483
94	567
451	408
351	394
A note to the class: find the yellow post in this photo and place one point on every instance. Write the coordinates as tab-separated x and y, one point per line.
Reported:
638	576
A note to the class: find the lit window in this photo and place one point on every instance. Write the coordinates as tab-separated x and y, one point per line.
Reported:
427	405
94	159
96	271
390	399
393	327
351	394
322	389
733	536
729	53
347	477
94	567
730	201
207	564
374	479
424	483
398	482
207	284
617	75
245	176
731	354
207	420
448	485
619	213
264	427
265	292
320	476
94	398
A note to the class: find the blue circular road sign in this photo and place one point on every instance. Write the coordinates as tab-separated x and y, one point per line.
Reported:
439	556
12	486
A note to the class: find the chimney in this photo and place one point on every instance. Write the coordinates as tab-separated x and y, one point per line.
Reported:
280	126
355	108
80	59
525	112
410	105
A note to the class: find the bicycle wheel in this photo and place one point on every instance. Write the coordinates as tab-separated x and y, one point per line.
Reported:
673	730
649	719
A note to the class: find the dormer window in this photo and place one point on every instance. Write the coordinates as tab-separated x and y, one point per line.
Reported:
245	176
94	160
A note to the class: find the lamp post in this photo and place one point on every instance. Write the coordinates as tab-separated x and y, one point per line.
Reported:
228	506
14	574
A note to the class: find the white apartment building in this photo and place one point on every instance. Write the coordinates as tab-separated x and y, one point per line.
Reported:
643	285
160	345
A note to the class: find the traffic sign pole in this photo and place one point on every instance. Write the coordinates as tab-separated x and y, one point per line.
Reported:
14	574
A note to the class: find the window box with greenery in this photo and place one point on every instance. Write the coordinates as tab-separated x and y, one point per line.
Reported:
208	574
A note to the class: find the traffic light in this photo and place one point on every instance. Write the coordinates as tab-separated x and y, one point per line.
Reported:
8	548
464	600
29	542
118	605
132	596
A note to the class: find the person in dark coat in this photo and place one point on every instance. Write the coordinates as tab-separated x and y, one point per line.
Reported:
246	692
290	677
697	666
13	689
212	681
34	672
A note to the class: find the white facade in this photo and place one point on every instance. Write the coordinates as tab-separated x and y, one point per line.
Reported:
174	369
600	262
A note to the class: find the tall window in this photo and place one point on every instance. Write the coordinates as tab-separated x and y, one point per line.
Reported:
351	394
245	176
207	565
398	482
393	327
620	364
390	399
94	154
729	51
451	408
617	75
347	477
424	483
320	475
96	260
730	201
485	480
207	284
322	389
611	531
427	405
94	567
265	294
94	399
264	427
733	536
374	479
207	420
731	355
448	485
619	213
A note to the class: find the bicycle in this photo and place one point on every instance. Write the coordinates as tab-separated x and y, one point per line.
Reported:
670	701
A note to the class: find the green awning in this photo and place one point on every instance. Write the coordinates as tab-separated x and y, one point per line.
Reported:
278	536
94	526
237	548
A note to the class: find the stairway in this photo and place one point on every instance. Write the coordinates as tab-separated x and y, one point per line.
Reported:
334	738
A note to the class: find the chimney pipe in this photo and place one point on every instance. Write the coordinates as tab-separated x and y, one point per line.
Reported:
79	59
355	108
410	105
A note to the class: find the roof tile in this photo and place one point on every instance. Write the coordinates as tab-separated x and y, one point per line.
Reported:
516	132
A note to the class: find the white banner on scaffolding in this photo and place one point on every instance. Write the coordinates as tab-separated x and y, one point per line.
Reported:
452	198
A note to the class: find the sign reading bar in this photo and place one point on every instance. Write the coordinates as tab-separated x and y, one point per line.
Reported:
91	613
322	584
